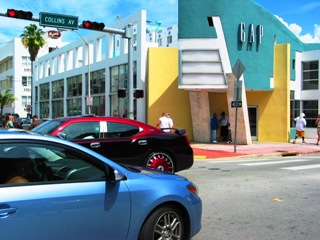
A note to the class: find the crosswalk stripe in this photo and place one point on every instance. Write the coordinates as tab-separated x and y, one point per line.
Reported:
272	162
302	167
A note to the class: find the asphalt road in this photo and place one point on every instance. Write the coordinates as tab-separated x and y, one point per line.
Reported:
270	198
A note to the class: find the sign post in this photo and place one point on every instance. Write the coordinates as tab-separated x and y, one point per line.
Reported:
237	70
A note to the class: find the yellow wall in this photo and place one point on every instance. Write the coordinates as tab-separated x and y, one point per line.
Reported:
274	107
218	103
163	94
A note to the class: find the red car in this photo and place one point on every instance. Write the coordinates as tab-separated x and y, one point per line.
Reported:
125	141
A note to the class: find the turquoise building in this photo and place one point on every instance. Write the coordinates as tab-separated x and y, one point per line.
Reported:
230	48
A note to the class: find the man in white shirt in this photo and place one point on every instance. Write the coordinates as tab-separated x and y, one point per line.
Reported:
300	126
165	122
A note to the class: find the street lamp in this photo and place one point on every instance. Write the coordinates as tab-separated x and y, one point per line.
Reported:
89	99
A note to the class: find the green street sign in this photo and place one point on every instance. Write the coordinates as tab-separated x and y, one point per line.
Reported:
58	20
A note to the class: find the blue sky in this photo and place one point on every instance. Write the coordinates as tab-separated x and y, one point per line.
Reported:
302	17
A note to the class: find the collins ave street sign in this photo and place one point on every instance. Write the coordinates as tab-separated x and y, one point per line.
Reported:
58	20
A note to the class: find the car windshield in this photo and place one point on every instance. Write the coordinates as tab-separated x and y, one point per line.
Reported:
47	127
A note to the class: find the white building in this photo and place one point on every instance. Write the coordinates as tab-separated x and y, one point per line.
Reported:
163	36
15	72
60	77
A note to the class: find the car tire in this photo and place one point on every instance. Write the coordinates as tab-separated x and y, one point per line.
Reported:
166	222
160	161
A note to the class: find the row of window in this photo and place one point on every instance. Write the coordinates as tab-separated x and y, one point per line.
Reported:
118	80
309	108
310	75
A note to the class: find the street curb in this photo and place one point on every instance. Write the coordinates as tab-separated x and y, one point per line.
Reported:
282	154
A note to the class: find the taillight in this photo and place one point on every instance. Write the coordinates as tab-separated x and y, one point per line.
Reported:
187	139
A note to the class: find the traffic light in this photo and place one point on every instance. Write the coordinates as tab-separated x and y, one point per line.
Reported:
122	93
138	93
93	25
19	14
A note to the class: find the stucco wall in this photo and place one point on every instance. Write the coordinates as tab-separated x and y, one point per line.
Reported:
163	94
274	106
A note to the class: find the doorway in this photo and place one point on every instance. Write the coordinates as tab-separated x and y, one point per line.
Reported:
253	122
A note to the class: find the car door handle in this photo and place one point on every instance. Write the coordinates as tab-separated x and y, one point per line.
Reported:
95	145
143	142
5	210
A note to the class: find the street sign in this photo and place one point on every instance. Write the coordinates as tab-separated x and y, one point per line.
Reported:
238	69
236	104
89	101
58	20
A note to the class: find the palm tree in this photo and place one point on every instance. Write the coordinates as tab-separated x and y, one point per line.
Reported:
32	39
5	99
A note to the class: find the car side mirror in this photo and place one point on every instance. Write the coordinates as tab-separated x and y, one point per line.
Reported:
113	175
62	135
118	176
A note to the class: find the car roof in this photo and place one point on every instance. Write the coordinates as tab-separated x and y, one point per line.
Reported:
14	131
92	117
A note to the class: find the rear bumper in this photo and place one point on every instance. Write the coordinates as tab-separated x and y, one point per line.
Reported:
184	160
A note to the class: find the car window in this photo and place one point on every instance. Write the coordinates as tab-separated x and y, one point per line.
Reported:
82	130
117	130
28	163
47	127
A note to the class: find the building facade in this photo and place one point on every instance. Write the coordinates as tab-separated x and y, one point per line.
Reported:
220	57
61	77
277	77
15	73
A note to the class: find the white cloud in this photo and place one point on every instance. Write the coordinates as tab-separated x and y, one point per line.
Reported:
297	30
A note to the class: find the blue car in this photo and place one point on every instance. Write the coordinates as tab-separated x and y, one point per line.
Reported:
55	189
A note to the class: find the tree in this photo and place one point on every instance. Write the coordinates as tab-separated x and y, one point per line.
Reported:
32	39
5	99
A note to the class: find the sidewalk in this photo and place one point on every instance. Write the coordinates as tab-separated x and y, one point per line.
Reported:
256	149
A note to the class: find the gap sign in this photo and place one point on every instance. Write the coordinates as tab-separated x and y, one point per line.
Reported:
58	20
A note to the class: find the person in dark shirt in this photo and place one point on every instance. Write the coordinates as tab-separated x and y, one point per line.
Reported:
214	127
35	122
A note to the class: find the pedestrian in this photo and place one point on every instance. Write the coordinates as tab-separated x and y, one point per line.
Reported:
159	121
318	128
214	123
11	121
8	122
224	122
165	122
300	127
35	122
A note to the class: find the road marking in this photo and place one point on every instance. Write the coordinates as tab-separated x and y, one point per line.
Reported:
302	167
272	162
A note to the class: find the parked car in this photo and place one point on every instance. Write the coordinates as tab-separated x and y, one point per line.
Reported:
70	192
22	123
125	141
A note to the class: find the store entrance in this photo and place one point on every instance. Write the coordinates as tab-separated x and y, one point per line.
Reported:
253	122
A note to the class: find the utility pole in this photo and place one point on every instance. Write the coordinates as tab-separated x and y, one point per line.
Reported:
130	72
